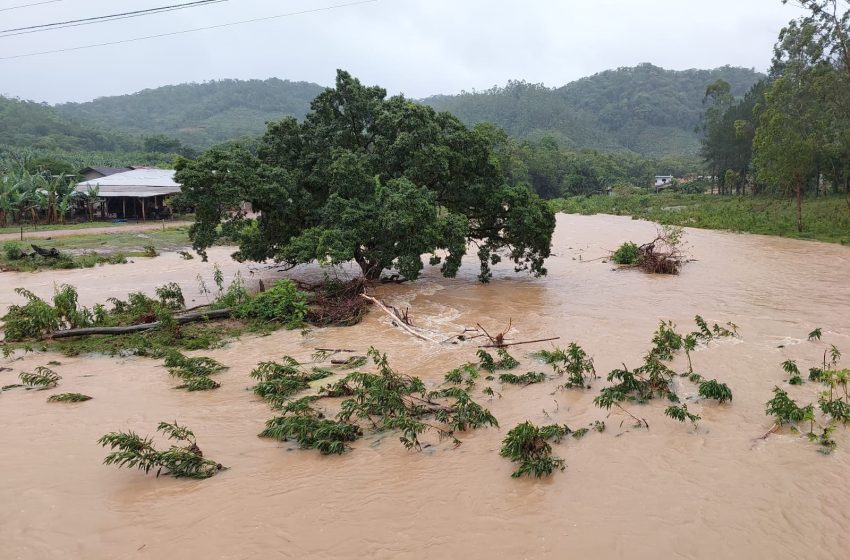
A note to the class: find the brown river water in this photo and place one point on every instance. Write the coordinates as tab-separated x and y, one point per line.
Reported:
668	492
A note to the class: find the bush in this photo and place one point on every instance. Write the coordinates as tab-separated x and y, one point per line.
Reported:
12	251
31	320
283	303
627	253
171	296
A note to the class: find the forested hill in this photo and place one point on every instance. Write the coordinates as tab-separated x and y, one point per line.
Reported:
646	109
200	114
36	125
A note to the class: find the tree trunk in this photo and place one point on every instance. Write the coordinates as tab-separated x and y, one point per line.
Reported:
799	189
179	319
371	270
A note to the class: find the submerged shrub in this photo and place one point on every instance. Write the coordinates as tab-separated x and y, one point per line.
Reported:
526	379
386	400
714	390
44	378
69	398
489	364
626	254
283	303
132	451
34	319
786	411
681	414
311	430
194	372
529	446
171	296
276	381
573	362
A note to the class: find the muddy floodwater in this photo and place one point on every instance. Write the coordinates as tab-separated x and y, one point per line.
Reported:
667	492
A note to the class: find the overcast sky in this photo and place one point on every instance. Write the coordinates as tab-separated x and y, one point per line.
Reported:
417	47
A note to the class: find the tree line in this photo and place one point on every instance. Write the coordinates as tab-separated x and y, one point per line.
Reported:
552	171
790	134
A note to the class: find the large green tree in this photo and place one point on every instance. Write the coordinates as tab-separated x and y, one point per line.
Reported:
793	125
377	180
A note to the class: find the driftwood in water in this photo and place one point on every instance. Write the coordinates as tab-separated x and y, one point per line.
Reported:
654	260
506	344
179	319
396	320
662	255
48	253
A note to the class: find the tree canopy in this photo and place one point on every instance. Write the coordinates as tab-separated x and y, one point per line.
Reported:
377	180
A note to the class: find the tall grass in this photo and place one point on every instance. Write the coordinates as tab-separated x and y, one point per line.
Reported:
825	218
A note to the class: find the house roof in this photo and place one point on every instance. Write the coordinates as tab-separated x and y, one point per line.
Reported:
137	183
106	170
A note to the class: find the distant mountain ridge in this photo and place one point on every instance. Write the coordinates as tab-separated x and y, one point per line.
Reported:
644	109
200	114
37	125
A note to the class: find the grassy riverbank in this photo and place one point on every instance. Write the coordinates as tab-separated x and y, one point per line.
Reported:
88	250
825	218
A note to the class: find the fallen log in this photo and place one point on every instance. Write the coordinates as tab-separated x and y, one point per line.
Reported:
179	319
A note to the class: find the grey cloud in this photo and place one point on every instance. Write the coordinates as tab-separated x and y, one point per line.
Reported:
418	47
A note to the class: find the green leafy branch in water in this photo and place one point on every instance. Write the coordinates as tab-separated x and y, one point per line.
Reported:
815	334
69	398
833	403
713	389
43	378
529	378
277	382
194	372
529	446
785	410
129	450
654	378
303	424
489	364
716	331
790	367
572	362
681	413
382	401
467	375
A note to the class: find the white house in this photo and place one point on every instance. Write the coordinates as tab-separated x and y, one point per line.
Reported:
139	193
663	180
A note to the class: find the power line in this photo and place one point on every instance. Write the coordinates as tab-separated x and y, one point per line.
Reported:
113	18
185	31
101	19
28	5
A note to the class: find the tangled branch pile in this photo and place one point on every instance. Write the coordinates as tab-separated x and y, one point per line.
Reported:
336	303
662	255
